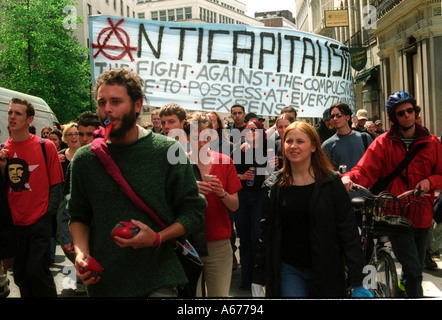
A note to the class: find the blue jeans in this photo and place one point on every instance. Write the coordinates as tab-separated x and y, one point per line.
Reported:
296	282
247	220
409	250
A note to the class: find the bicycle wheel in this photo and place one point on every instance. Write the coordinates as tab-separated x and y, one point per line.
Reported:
386	276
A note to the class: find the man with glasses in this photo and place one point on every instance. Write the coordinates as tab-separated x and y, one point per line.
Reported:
424	171
346	146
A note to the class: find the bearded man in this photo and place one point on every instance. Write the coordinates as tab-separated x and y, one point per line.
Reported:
150	267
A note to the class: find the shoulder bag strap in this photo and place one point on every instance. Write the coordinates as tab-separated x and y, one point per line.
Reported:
99	147
43	148
404	163
364	139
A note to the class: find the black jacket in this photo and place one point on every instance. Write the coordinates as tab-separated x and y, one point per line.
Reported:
335	239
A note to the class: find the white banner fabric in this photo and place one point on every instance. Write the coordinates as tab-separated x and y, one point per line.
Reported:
213	66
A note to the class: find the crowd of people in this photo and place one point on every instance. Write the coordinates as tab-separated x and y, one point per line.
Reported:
284	191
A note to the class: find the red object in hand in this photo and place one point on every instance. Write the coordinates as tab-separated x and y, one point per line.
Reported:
125	229
93	266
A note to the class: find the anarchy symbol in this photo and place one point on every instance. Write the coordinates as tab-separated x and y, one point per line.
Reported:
120	34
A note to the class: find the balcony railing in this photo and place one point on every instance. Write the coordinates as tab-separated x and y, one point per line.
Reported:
361	38
384	6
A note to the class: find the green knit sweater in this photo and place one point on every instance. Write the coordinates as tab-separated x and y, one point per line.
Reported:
96	200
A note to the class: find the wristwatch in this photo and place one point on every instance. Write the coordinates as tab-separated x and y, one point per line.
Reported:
225	195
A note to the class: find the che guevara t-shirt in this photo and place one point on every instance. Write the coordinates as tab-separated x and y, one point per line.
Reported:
29	178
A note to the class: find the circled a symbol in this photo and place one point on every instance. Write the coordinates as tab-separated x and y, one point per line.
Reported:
122	37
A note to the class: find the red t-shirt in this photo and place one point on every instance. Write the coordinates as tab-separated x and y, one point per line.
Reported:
216	214
30	177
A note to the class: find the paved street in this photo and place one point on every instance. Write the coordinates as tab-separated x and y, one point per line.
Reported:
63	271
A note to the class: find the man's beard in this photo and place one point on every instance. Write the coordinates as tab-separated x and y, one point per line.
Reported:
127	123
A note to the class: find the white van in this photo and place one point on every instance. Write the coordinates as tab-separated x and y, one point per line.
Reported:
43	113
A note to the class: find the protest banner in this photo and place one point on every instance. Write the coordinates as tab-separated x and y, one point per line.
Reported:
207	67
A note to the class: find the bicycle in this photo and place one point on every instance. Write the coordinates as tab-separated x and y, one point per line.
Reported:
384	215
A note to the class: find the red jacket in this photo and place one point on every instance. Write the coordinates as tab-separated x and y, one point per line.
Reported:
387	151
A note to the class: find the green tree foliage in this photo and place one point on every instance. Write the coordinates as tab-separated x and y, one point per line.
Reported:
39	55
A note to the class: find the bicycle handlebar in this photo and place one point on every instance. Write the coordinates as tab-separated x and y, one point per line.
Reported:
418	192
366	191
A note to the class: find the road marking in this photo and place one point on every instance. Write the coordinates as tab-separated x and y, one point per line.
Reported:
430	290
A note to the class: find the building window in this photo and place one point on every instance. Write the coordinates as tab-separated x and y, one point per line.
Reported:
180	14
171	15
188	13
154	15
89	10
121	8
141	15
163	16
115	5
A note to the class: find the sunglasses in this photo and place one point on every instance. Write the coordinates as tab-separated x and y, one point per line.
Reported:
402	112
70	135
338	115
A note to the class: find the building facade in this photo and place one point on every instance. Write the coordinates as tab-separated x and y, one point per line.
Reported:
277	19
410	47
86	8
393	45
210	11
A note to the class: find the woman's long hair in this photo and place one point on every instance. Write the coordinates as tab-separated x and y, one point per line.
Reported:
220	130
320	163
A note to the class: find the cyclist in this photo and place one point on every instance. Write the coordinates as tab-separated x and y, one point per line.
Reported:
424	171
